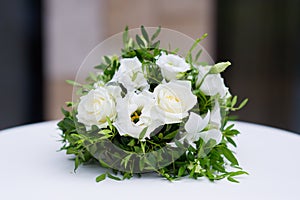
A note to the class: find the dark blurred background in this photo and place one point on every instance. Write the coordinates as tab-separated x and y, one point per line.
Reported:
261	38
44	42
21	68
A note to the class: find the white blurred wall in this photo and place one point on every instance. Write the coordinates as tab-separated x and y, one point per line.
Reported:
73	27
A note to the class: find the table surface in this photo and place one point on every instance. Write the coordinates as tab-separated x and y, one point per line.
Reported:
32	168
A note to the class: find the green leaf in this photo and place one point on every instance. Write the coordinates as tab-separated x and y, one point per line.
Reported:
142	163
193	47
229	155
131	143
71	82
233	101
175	51
229	178
126	160
203	36
192	172
198	55
127	175
69	123
237	173
243	104
156	45
151	159
100	178
143	132
190	156
145	34
65	112
219	67
69	104
170	135
143	145
178	144
210	175
156	33
88	87
71	151
233	132
197	41
218	167
109	123
113	177
125	35
140	41
102	66
93	76
181	171
105	131
103	164
231	141
81	156
107	60
229	127
189	59
77	163
137	149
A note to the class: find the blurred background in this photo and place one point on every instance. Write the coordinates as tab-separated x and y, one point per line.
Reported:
43	43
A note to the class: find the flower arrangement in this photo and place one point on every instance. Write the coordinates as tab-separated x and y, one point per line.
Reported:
153	110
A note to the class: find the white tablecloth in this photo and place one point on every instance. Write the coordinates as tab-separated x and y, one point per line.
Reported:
31	168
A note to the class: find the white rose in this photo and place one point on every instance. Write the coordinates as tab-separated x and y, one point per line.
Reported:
130	74
171	65
134	115
210	84
196	124
215	123
215	117
194	129
98	104
173	100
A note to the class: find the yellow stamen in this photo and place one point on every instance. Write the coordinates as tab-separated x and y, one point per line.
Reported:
173	98
135	117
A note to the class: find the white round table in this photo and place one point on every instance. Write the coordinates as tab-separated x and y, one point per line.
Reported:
31	168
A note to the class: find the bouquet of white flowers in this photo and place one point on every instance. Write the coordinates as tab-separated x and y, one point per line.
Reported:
153	110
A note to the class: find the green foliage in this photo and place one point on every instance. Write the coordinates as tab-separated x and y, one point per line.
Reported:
188	57
206	160
213	166
73	141
219	67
